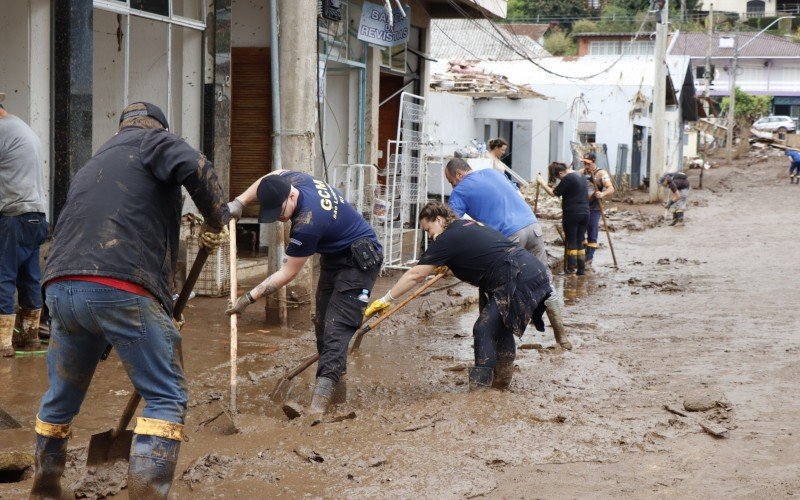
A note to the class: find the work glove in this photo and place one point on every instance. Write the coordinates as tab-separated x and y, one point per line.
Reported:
440	270
179	323
378	307
240	305
236	208
211	240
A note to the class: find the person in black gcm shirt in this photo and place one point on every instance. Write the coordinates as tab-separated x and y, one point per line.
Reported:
350	259
678	184
515	282
575	209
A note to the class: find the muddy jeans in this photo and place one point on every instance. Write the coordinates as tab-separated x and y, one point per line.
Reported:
683	201
86	317
20	238
339	312
492	338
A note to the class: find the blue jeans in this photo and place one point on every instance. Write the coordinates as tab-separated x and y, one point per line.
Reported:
20	238
592	232
86	317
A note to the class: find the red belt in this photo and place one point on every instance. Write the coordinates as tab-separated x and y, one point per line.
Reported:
125	286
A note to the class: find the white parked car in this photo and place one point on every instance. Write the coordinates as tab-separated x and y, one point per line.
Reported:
779	124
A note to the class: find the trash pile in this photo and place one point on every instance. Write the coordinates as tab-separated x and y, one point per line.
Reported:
467	77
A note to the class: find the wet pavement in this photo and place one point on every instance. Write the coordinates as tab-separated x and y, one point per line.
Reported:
708	309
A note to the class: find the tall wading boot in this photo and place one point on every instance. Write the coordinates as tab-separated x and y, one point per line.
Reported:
480	378
50	459
590	249
503	371
7	335
153	458
323	393
28	337
674	218
555	315
572	261
581	262
340	391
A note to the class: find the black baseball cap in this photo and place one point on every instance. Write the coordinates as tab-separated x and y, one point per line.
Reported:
144	109
590	157
272	192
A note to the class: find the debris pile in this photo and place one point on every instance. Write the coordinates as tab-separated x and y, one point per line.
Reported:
466	77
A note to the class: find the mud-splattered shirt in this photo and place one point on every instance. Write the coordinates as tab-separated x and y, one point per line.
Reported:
511	276
323	221
122	215
678	181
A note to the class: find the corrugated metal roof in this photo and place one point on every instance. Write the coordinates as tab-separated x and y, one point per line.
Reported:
478	39
765	45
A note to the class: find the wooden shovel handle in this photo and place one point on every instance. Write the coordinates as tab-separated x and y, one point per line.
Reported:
365	328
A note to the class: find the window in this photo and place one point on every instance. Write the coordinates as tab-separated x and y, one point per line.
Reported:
755	8
700	73
160	7
617	47
604	48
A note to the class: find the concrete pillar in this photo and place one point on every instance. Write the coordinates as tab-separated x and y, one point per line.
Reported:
222	92
72	117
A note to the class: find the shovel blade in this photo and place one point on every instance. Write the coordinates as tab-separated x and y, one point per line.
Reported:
104	448
281	391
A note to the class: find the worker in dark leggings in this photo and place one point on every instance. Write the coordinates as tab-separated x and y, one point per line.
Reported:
514	281
572	189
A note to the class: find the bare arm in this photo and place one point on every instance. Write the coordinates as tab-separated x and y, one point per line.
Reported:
608	187
291	266
407	281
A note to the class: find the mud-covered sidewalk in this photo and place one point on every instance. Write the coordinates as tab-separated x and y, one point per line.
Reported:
703	316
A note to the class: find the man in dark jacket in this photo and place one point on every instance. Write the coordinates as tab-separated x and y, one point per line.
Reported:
679	186
107	281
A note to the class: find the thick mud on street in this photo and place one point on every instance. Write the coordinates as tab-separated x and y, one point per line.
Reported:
702	317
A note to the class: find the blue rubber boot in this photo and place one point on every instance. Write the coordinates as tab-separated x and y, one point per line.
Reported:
152	466
50	459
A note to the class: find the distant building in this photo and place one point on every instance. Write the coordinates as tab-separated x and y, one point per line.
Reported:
480	39
535	32
612	44
768	65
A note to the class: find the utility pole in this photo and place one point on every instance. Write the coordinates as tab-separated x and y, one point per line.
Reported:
658	161
298	98
732	104
709	47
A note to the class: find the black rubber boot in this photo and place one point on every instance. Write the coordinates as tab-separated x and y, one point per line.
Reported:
674	218
480	378
152	466
503	372
50	459
572	261
323	392
581	263
555	315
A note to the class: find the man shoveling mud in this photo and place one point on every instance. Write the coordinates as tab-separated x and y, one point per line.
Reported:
794	166
488	197
107	281
515	282
599	186
322	222
678	184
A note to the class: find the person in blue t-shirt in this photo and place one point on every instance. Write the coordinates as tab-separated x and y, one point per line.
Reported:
794	167
488	197
350	259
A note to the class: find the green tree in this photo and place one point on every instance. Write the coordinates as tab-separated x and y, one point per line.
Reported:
584	26
529	10
559	44
748	107
615	19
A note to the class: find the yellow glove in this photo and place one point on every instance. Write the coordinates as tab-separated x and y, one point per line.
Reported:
179	324
440	270
377	307
212	240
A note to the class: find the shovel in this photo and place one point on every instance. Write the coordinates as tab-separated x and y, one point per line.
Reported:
114	444
278	394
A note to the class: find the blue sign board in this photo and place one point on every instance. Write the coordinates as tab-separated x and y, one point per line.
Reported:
374	26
